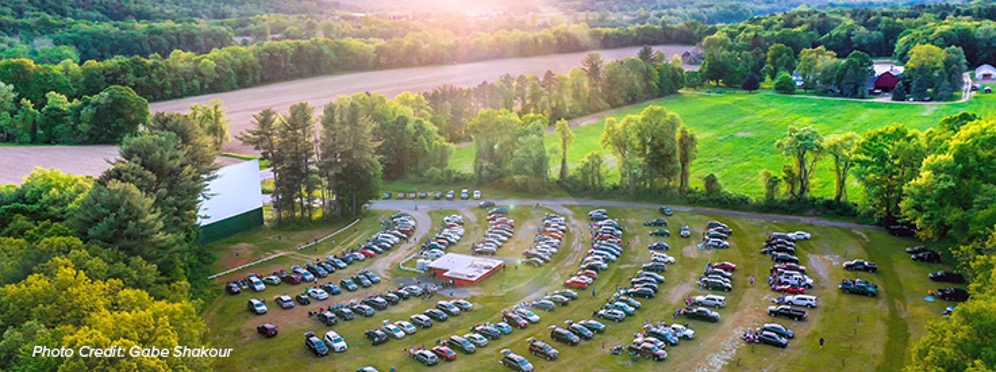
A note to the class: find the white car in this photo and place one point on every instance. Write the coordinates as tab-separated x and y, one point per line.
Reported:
318	293
682	331
477	194
476	339
393	330
801	235
336	342
710	301
257	285
357	256
407	327
433	254
528	315
662	258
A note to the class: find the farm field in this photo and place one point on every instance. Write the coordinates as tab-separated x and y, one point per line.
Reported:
862	333
737	132
242	104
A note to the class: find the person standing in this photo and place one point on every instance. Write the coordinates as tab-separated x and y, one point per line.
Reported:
821	343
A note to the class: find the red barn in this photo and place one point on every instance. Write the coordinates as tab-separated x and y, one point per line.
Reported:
887	81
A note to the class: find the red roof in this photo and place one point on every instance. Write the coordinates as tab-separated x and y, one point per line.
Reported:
886	81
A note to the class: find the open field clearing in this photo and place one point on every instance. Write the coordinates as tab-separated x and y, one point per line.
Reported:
862	333
737	132
242	104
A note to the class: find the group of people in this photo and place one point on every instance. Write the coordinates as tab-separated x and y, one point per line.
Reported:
753	336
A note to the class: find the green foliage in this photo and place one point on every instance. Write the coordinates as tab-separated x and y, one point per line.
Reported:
819	68
566	136
885	160
751	83
45	194
113	114
211	118
841	149
770	183
804	147
712	186
784	84
590	173
687	152
348	163
856	69
780	59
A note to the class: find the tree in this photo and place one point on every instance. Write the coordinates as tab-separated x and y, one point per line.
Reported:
899	94
493	133
885	160
646	54
770	183
717	64
295	134
590	172
841	148
262	136
654	139
211	118
854	72
566	136
113	114
805	147
687	151
791	179
593	65
348	157
784	84
751	83
818	67
119	216
953	195
781	59
712	186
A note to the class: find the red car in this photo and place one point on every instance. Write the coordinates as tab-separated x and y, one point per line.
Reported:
785	288
589	273
368	253
444	352
576	283
514	319
789	266
291	278
725	266
267	330
401	196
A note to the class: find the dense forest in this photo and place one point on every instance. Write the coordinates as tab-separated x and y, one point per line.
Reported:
110	10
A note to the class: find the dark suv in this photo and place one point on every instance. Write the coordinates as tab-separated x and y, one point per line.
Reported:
376	336
565	336
860	265
515	361
542	349
460	343
315	344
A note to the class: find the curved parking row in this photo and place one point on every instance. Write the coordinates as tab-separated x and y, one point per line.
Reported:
500	229
547	241
789	277
450	232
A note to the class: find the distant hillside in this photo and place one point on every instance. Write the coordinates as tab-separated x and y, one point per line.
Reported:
119	10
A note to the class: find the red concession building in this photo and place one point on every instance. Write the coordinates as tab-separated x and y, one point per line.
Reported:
462	269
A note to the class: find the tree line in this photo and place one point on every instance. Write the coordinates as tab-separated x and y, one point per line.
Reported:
124	245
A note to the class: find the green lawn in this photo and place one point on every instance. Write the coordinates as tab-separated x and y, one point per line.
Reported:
862	333
737	132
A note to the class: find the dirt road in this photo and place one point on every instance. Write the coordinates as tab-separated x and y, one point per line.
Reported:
242	104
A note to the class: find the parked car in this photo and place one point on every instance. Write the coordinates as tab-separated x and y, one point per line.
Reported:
593	325
858	286
580	330
317	293
685	232
514	319
436	315
927	256
542	349
952	294
544	305
315	344
448	308
503	327
660	232
426	357
701	313
445	353
284	301
666	211
723	265
800	235
487	331
917	249
709	300
337	342
421	320
515	361
658	267
772	338
328	318
860	265
655	222
787	312
613	315
947	276
640	292
376	336
800	300
267	330
715	284
658	246
778	329
562	335
527	315
393	330
463	305
647	350
232	288
256	306
461	344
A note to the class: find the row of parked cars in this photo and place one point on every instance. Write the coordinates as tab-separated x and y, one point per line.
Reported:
716	235
547	241
718	276
500	229
606	247
924	254
449	195
789	277
451	232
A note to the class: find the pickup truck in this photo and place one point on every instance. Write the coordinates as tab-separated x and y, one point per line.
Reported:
859	287
787	312
860	265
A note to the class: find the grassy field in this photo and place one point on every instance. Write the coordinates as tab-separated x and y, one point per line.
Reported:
862	333
737	132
